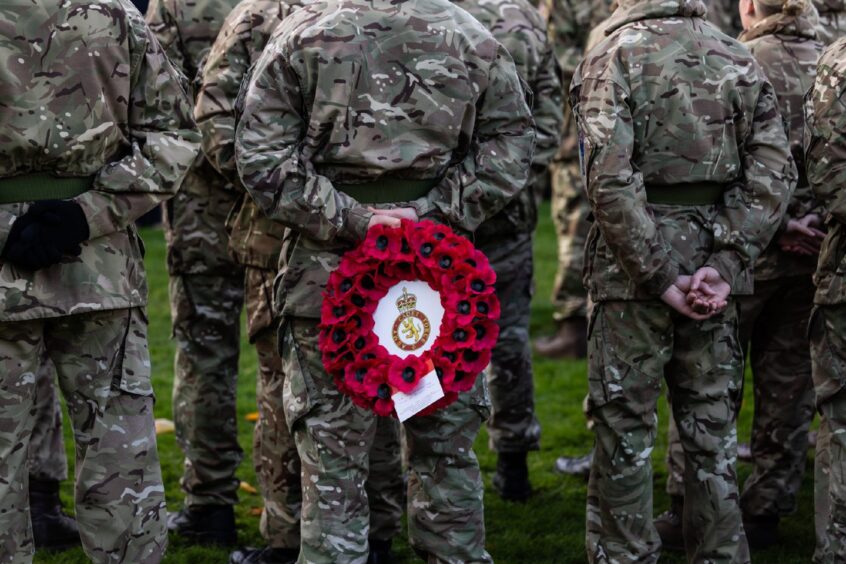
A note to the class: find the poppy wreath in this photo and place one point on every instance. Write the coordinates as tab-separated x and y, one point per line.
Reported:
364	369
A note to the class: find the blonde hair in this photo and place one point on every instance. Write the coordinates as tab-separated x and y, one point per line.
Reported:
786	7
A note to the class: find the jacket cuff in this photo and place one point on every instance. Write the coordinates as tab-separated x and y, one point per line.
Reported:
663	278
358	219
728	264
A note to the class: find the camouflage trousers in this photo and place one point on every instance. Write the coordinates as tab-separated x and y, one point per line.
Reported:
334	438
206	314
275	456
828	347
632	346
103	368
570	212
47	458
513	426
773	326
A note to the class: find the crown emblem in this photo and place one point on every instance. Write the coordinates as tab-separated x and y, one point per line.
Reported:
406	302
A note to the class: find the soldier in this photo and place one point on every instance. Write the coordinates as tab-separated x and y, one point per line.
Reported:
683	192
782	37
570	22
569	26
206	298
507	241
826	167
432	123
832	24
256	243
96	130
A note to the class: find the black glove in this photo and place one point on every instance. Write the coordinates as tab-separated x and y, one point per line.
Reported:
48	230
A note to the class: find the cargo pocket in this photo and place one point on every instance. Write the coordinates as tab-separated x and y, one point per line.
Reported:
299	391
134	373
627	358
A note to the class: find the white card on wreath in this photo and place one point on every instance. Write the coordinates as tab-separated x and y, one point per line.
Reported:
427	392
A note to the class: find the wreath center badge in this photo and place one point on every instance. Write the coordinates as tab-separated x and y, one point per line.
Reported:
409	319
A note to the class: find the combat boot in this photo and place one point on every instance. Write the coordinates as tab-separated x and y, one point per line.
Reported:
511	480
52	529
669	525
267	555
761	530
204	524
380	551
569	341
574	466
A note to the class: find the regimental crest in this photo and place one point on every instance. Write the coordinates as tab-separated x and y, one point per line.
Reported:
412	328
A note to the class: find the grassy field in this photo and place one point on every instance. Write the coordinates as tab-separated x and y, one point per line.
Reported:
549	528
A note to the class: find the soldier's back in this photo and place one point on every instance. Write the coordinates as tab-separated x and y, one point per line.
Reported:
693	91
404	106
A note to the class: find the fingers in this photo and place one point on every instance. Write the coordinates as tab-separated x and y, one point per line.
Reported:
378	219
399	213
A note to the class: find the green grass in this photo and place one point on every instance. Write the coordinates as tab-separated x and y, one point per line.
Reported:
549	528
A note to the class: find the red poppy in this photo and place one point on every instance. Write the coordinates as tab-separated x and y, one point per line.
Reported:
474	362
486	333
384	407
382	242
460	308
487	306
404	374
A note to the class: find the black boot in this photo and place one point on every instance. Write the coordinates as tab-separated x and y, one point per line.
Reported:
265	555
761	530
204	524
52	529
380	551
511	480
669	525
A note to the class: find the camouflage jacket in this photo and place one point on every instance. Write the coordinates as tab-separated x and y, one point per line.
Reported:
725	15
667	102
522	31
196	244
440	100
254	239
570	23
87	91
825	162
832	19
787	49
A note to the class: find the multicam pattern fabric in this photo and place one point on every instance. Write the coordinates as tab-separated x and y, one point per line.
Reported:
47	459
636	250
522	31
451	109
832	14
725	15
702	364
787	49
138	140
254	240
826	168
570	215
103	365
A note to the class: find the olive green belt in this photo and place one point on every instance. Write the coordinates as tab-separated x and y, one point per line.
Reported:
42	186
687	194
389	190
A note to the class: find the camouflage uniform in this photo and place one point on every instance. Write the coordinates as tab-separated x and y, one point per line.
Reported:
441	100
826	168
725	15
832	14
90	78
256	243
47	458
507	238
570	22
206	285
672	191
773	321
